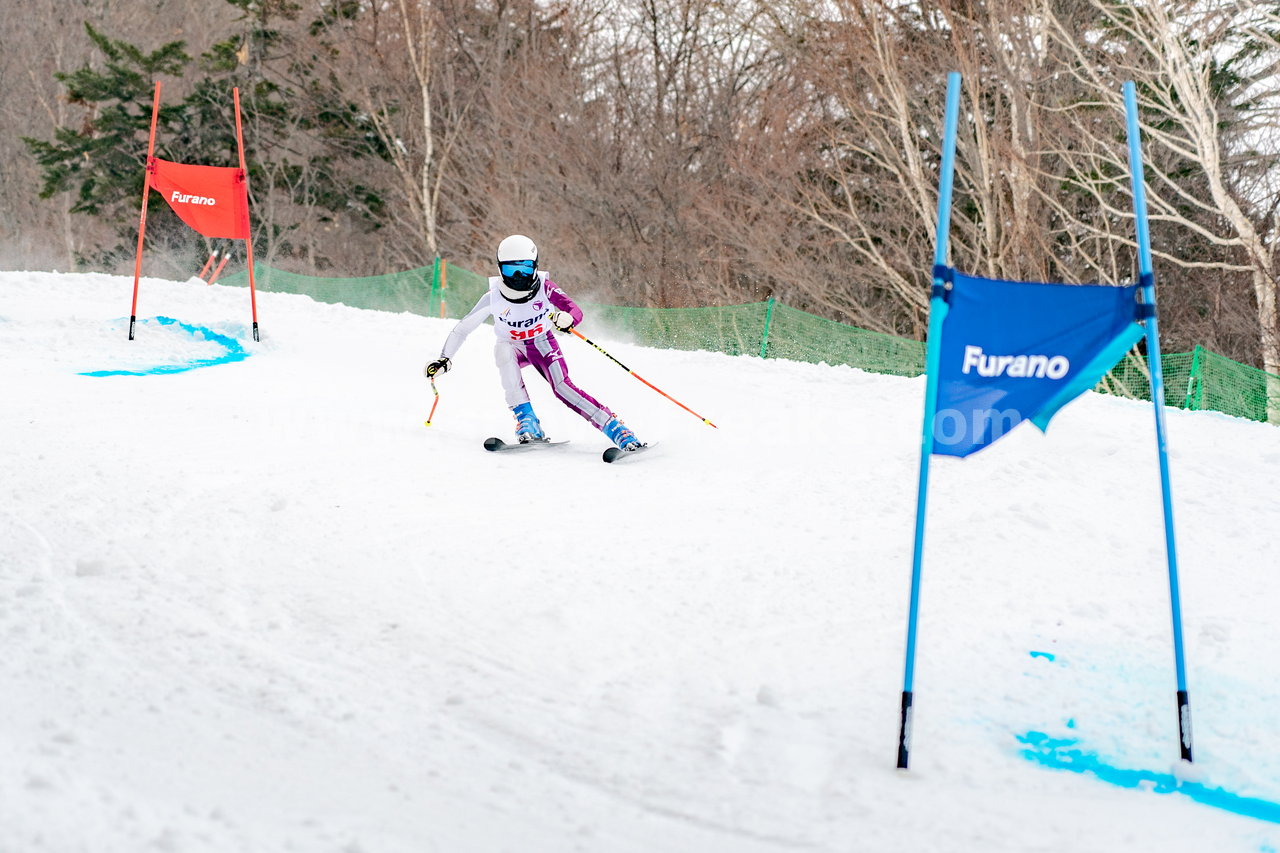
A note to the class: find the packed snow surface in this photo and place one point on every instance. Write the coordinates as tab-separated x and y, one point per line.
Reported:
248	601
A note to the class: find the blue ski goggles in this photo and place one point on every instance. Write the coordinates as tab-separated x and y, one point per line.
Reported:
518	269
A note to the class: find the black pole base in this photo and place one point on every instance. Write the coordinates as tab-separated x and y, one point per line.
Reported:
255	331
133	318
904	731
1184	725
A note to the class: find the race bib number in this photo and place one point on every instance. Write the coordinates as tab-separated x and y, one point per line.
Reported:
526	334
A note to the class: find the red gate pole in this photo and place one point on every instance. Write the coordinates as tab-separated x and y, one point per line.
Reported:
217	271
204	269
142	222
248	239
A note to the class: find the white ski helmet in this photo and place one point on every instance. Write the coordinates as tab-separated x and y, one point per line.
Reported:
518	265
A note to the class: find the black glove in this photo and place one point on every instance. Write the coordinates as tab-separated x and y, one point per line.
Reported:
562	320
440	365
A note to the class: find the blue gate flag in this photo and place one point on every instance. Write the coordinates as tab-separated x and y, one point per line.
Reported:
1001	352
1012	351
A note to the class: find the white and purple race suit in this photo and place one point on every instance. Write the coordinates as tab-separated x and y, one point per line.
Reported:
524	338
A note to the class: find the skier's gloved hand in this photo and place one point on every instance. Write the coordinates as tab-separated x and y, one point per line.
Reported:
562	320
440	365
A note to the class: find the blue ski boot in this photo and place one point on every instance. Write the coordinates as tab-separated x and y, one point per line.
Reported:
618	433
527	426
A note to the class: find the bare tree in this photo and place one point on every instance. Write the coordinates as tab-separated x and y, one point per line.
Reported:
692	152
393	59
864	136
1206	77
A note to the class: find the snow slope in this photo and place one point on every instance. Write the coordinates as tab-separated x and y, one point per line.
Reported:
249	602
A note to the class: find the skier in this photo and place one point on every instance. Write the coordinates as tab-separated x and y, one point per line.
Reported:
526	306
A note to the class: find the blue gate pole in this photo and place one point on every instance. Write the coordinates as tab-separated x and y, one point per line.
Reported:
1147	280
937	313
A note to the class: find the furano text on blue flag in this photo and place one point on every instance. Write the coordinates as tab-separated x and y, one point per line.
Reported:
1012	351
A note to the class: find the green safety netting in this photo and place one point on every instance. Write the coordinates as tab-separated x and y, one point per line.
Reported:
1201	379
801	336
733	329
1196	380
1131	378
1228	386
425	290
401	291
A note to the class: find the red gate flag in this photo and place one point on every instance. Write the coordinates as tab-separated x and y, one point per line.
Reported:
214	200
211	199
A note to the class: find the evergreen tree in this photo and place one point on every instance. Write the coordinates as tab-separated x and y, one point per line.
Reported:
100	159
302	137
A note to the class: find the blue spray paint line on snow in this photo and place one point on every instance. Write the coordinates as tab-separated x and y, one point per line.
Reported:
1046	655
1062	754
234	352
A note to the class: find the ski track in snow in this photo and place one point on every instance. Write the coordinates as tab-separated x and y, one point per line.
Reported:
248	602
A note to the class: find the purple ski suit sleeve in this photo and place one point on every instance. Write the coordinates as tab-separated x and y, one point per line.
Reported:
562	302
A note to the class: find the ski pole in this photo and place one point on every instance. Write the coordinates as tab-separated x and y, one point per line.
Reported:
642	379
427	422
